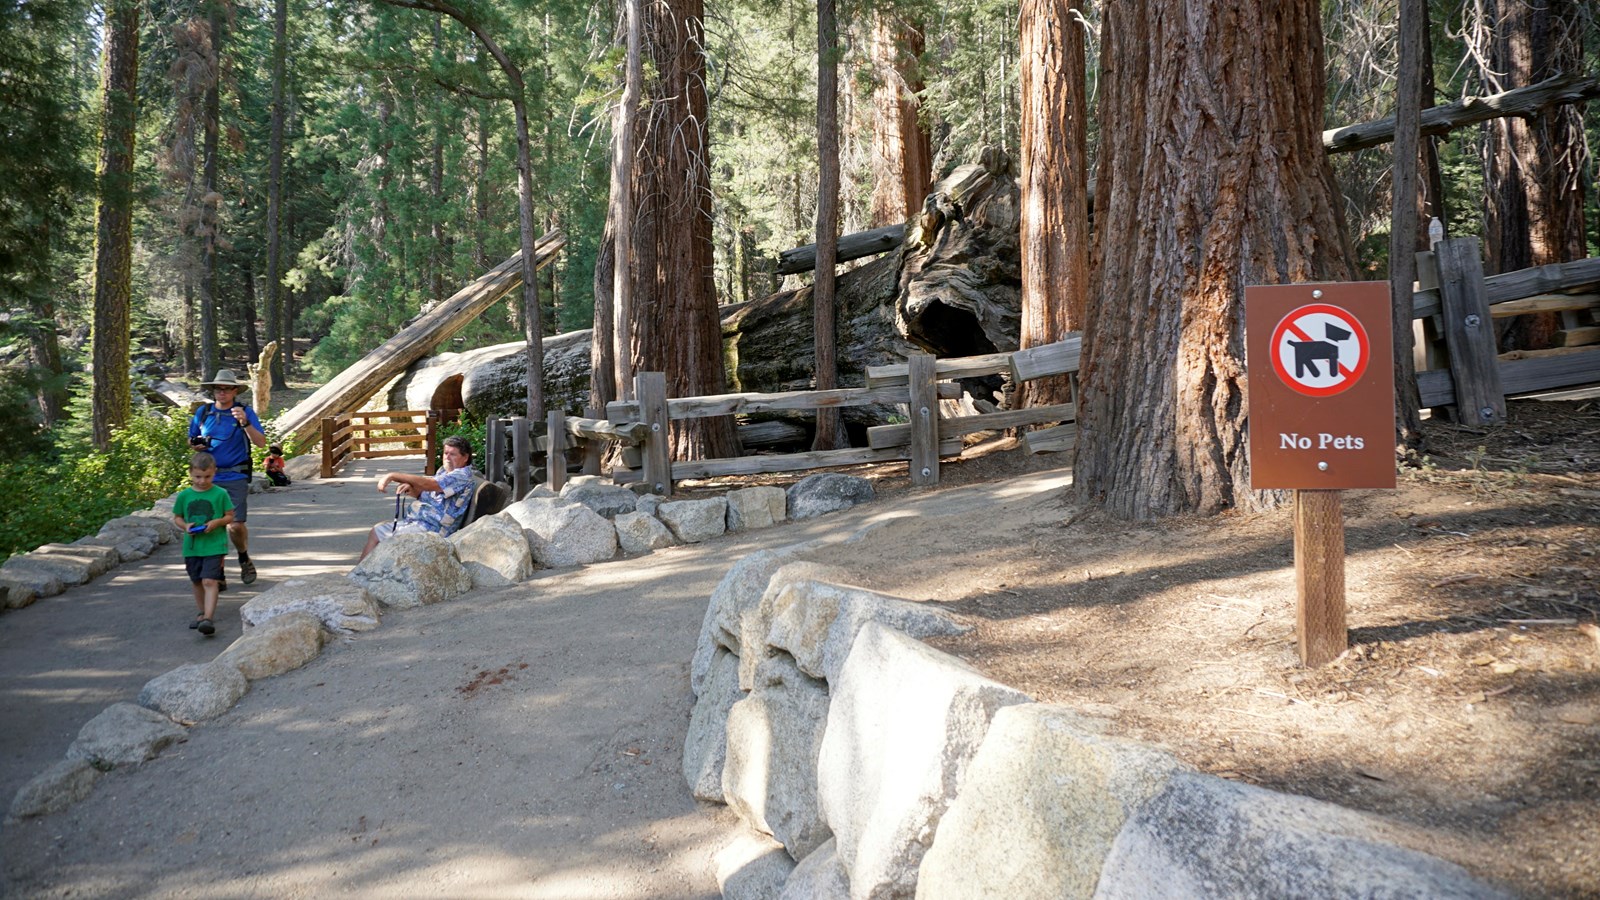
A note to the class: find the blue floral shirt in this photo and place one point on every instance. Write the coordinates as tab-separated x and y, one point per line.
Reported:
441	510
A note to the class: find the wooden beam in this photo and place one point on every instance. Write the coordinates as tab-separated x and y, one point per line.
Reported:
950	369
1549	369
1578	337
788	462
1052	440
358	383
1045	360
555	456
851	246
733	404
924	414
1469	334
883	436
1521	101
1523	283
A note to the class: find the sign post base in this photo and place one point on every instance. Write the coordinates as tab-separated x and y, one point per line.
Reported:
1319	576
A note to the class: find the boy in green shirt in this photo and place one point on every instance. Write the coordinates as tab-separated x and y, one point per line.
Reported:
204	511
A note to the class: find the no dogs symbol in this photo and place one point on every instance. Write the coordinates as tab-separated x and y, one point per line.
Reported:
1320	350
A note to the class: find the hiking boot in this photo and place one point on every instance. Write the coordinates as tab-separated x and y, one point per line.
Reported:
247	569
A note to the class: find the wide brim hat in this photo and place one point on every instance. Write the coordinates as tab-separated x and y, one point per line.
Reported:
225	378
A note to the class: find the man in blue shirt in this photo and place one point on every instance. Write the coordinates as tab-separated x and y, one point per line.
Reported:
441	500
226	429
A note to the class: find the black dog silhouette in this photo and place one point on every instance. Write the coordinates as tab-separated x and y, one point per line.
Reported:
1307	353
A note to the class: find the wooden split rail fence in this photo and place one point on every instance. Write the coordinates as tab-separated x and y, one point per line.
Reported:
1455	307
643	426
356	435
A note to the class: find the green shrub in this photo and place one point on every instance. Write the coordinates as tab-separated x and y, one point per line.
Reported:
73	494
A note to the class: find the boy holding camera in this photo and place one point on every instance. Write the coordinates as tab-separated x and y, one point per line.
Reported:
204	511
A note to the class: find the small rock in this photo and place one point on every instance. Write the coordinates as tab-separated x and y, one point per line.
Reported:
283	643
694	521
411	570
826	492
56	788
125	734
756	507
194	693
639	533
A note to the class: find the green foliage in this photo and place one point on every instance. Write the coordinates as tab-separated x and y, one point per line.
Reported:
476	430
72	495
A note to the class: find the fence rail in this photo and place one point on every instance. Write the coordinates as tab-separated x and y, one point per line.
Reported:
1455	308
356	435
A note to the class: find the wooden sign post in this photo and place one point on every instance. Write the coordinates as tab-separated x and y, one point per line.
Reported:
1320	362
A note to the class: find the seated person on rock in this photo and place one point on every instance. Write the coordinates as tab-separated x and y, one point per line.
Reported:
441	500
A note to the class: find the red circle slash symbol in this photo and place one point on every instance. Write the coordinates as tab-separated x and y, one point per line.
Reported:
1320	350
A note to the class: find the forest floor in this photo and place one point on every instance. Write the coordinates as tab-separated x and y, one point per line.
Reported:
1468	705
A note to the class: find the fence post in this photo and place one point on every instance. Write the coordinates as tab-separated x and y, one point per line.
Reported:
495	470
328	428
1469	334
593	450
650	389
1427	344
430	441
520	456
555	454
924	419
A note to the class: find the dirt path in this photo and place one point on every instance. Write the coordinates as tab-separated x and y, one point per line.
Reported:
523	742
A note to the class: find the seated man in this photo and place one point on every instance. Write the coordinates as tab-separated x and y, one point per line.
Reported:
441	500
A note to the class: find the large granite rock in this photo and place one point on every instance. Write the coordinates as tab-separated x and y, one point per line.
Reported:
818	877
56	788
194	693
45	579
1039	806
564	534
639	533
341	604
904	722
1203	837
694	521
705	747
753	867
774	738
608	500
816	622
278	645
96	560
125	734
495	552
756	507
128	545
738	590
756	621
411	570
17	594
826	492
164	530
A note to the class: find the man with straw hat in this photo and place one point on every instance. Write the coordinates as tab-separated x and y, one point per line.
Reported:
226	429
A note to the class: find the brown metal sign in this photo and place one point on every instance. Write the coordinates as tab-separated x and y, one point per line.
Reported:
1320	362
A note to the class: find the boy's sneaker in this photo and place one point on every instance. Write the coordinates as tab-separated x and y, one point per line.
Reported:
247	569
205	627
193	624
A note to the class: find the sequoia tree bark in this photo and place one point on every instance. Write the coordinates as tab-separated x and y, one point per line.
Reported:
1212	176
112	398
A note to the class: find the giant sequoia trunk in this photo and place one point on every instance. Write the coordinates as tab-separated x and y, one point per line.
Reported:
1054	230
1535	166
902	154
675	322
1211	176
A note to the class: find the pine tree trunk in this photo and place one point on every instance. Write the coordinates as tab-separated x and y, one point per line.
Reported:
626	268
274	287
823	327
1210	177
211	219
1054	230
112	399
674	313
902	157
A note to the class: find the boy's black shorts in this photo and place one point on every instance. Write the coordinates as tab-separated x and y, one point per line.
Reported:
200	567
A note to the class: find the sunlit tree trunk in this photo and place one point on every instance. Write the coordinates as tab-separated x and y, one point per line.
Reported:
674	313
902	156
274	286
111	399
1211	176
824	349
1054	184
211	200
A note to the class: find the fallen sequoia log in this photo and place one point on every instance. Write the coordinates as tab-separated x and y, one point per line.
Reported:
952	288
353	387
